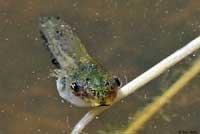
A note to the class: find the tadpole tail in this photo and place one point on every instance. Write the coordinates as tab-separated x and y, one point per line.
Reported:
65	47
54	61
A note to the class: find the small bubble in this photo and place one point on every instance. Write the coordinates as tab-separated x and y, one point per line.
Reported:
166	12
145	96
4	13
23	91
63	131
154	126
182	32
39	130
25	118
62	26
96	13
75	5
62	101
43	25
27	35
33	72
115	37
154	39
39	119
91	37
97	117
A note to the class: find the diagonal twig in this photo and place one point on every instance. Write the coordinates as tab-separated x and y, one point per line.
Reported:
141	80
150	110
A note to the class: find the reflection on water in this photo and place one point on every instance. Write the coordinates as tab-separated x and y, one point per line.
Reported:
127	37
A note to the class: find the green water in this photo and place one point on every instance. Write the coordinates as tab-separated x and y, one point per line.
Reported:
127	37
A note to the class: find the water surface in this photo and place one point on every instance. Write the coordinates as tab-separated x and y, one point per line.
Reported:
127	37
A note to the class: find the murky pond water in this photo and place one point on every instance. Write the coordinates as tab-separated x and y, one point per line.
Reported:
127	37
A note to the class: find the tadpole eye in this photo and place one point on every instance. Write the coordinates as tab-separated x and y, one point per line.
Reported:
117	81
87	79
107	83
74	86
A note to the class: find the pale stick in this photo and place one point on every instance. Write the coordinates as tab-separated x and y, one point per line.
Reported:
141	80
150	110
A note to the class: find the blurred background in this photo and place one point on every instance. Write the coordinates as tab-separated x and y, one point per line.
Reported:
125	36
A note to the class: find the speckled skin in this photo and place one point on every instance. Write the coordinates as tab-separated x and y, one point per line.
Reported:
81	80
